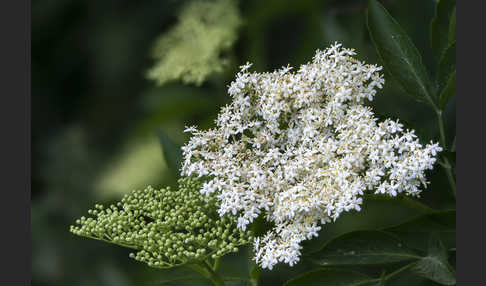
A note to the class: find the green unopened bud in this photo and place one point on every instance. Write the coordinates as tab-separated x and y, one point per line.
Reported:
166	224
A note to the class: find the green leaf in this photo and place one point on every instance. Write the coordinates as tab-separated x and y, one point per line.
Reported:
172	153
236	264
177	274
451	159
400	56
382	281
434	222
448	91
190	280
446	76
416	231
453	147
255	273
335	277
406	277
435	265
165	103
440	26
364	248
447	66
370	217
452	27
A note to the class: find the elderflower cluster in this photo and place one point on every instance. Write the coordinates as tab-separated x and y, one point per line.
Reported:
302	148
194	48
167	227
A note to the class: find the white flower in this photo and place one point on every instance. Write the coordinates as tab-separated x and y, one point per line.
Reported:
302	147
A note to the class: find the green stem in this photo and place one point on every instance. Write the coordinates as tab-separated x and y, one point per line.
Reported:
254	274
213	276
216	264
441	129
399	270
385	277
205	269
446	165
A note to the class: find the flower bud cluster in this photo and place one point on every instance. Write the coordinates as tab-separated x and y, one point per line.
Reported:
303	147
167	227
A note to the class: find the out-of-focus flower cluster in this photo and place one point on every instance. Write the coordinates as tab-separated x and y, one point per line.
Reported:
301	148
193	49
167	227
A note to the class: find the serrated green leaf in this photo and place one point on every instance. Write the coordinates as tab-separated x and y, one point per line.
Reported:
452	27
440	25
400	56
448	91
415	232
446	77
335	277
447	65
364	248
442	221
407	277
172	153
453	147
371	217
435	265
236	265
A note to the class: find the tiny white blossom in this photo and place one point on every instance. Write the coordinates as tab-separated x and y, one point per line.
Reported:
302	147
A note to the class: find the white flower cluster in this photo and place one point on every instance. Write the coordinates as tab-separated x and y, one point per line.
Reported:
303	148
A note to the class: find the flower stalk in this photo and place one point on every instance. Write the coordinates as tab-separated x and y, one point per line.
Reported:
207	271
445	162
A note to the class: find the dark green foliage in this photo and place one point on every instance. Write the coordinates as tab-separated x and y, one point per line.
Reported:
442	29
415	231
435	265
363	248
331	277
452	28
91	99
446	76
369	218
399	55
172	153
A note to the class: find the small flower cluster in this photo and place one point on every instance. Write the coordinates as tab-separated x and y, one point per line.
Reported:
301	148
192	50
167	227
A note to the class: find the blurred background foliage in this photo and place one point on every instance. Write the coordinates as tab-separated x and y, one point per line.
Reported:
96	118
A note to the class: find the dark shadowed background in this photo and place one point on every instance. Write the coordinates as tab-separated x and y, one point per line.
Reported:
96	118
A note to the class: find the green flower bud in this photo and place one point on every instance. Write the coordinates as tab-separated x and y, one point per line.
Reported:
167	227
